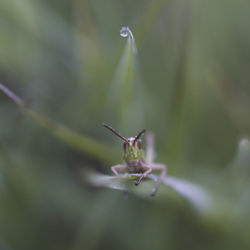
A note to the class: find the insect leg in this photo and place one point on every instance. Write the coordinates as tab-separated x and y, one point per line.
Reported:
115	169
162	167
148	171
150	152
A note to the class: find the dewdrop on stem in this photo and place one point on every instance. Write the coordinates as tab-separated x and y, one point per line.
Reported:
126	32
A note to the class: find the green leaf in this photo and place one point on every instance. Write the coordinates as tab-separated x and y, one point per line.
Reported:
189	191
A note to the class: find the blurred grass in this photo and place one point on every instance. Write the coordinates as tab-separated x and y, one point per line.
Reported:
189	84
83	144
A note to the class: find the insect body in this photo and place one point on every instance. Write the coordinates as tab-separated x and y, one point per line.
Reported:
135	160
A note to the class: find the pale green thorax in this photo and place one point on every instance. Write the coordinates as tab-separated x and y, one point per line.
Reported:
133	149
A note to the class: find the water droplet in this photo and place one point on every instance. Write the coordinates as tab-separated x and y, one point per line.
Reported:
125	31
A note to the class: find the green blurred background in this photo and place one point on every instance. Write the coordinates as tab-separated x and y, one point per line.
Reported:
188	83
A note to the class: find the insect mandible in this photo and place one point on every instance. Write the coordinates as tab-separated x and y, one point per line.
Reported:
135	160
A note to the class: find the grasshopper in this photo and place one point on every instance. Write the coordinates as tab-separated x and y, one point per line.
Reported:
135	162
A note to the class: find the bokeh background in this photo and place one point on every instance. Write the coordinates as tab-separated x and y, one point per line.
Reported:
188	83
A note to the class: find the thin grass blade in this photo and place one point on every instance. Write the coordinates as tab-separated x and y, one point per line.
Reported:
84	144
124	96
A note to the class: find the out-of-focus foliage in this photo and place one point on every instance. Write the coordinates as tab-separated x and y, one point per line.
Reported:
188	83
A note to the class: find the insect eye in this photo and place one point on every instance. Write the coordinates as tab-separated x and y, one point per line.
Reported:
139	144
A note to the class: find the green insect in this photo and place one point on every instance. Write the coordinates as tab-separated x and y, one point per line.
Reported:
135	161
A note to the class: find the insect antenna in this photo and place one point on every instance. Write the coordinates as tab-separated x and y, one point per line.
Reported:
139	135
115	132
